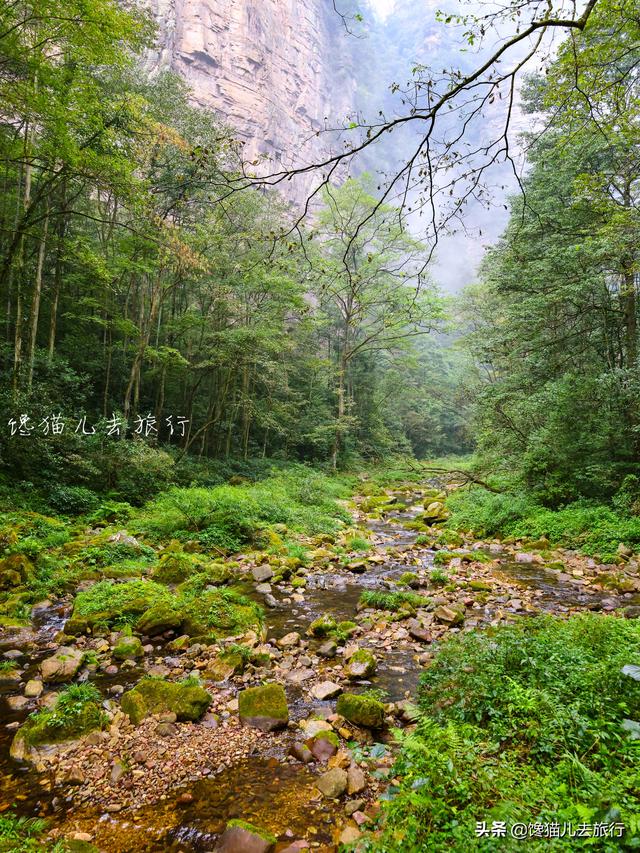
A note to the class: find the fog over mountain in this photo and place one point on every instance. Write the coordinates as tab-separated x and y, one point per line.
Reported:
285	97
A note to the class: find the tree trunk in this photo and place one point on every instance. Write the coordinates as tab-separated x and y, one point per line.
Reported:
35	302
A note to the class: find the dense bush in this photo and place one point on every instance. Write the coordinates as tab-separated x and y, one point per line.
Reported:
533	722
228	517
594	528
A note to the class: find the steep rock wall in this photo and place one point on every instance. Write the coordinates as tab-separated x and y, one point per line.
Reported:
277	71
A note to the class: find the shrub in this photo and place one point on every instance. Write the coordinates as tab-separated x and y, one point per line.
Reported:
531	722
72	500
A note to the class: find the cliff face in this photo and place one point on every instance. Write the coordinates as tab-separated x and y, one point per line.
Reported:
276	71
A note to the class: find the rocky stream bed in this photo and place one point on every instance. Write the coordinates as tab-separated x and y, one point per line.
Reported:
313	778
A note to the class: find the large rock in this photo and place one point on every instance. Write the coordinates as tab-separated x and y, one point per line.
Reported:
361	710
361	665
156	696
333	783
62	666
262	573
264	707
242	837
158	619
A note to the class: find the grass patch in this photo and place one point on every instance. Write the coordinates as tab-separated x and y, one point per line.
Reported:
232	516
393	601
533	722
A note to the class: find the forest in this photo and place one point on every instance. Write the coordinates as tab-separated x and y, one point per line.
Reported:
298	548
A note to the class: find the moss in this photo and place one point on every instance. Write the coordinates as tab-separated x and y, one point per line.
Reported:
76	712
156	696
128	647
255	830
220	613
479	586
298	583
323	626
264	706
344	630
407	578
111	603
15	570
361	710
332	737
158	619
393	601
175	567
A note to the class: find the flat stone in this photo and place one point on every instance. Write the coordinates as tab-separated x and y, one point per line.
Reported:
328	649
17	703
289	640
418	632
62	666
325	690
298	676
312	727
333	783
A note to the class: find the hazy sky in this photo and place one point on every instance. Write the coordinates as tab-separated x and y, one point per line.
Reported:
382	7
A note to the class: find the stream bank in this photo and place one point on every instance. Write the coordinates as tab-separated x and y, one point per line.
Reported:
173	786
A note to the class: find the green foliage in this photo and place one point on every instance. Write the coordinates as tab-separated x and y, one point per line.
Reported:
25	835
523	723
231	516
72	500
438	577
393	601
77	711
592	527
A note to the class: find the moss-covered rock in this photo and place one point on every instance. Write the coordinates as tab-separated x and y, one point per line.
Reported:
435	513
76	712
220	613
323	626
15	570
323	745
479	586
408	579
361	710
108	603
344	630
157	696
264	707
361	665
175	567
158	619
242	837
128	648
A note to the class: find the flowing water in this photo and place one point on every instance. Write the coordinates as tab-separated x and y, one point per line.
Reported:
262	789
